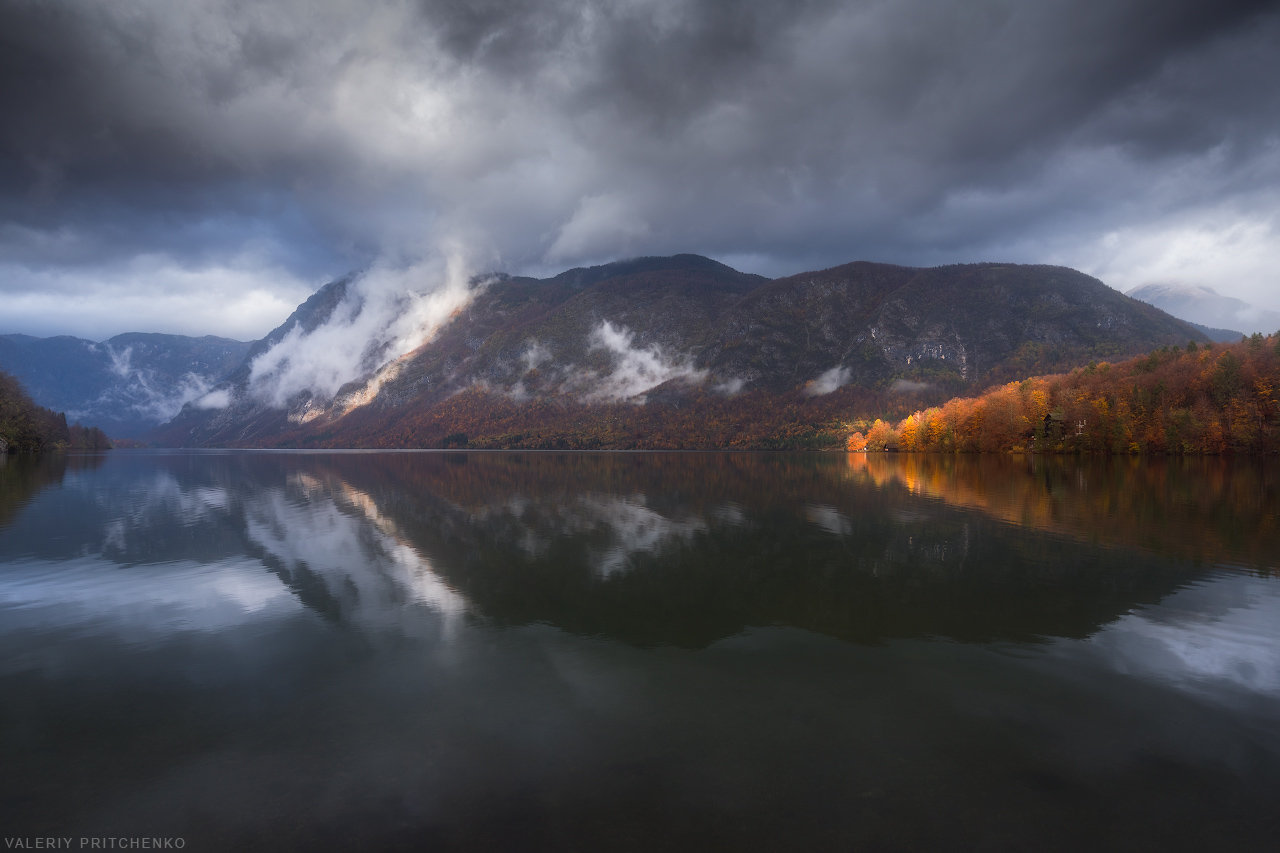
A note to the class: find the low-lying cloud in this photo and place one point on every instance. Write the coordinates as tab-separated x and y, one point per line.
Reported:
219	398
145	392
829	381
385	314
635	369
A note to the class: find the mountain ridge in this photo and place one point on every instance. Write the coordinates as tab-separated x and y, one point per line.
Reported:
674	329
128	384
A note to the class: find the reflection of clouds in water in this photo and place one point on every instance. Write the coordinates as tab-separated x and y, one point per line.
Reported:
93	595
136	510
1217	637
904	516
829	519
730	513
164	491
636	529
365	568
330	535
627	523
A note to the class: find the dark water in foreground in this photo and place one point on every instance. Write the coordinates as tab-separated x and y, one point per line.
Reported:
640	651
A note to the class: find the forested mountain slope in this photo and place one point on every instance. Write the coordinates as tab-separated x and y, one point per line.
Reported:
646	339
1201	400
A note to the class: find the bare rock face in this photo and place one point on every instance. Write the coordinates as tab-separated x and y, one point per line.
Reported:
662	326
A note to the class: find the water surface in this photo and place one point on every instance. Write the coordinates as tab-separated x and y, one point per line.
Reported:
636	651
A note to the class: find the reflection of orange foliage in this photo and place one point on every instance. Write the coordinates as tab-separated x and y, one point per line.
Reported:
1209	508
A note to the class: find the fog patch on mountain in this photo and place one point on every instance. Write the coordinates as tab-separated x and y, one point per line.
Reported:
386	313
730	387
144	391
635	369
535	355
828	381
219	398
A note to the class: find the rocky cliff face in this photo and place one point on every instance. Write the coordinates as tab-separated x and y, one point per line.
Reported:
657	328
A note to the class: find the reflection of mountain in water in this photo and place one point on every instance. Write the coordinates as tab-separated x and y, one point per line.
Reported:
779	543
321	538
676	548
328	542
686	549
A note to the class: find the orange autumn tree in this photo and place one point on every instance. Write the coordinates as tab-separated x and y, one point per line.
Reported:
1202	399
881	436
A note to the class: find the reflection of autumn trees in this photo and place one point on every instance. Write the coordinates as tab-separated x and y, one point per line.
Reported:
24	476
1200	509
1202	400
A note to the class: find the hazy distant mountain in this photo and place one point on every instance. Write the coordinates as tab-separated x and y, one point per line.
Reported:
1225	336
662	329
1198	304
126	385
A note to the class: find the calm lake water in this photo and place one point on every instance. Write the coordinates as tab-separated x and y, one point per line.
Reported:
640	651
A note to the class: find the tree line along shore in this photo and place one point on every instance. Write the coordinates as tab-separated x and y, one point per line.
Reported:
1201	399
28	428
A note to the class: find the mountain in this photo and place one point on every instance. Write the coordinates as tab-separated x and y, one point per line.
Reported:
233	414
1202	305
646	343
126	385
1222	336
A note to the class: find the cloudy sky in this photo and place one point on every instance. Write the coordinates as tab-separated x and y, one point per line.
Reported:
200	166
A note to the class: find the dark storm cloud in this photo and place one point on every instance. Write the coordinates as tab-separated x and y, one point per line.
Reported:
1127	137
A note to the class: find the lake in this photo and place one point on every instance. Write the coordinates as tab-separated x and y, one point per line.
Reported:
640	651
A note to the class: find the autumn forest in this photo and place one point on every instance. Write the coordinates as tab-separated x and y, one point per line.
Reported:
1199	400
